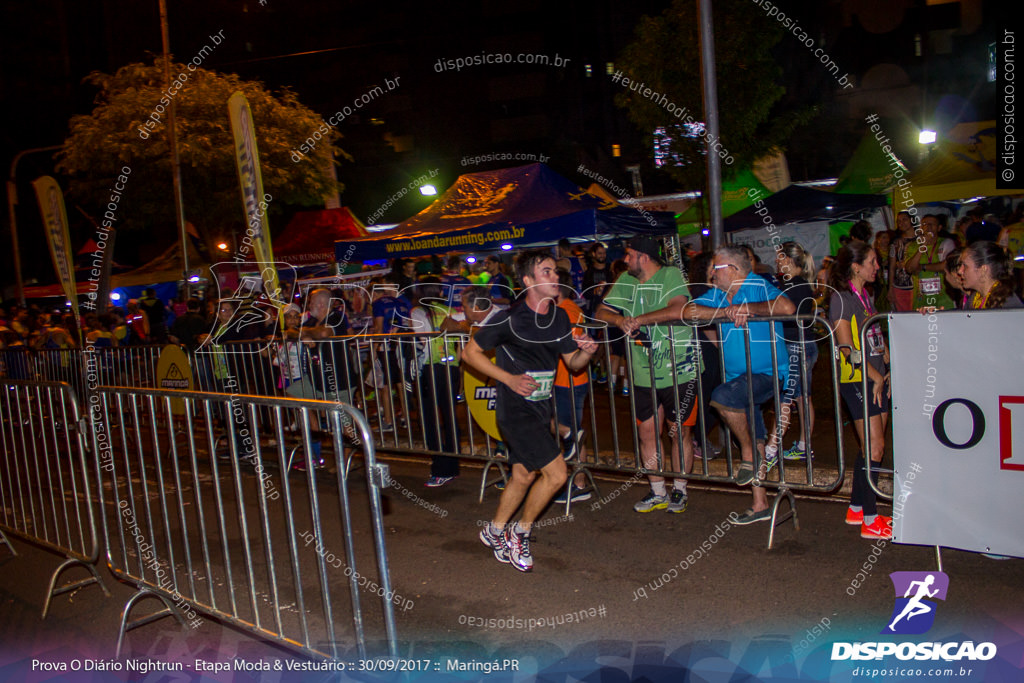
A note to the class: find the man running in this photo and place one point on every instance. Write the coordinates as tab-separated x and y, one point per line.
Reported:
529	339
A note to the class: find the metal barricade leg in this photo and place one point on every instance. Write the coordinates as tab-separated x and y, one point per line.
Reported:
53	591
5	541
502	467
783	494
126	625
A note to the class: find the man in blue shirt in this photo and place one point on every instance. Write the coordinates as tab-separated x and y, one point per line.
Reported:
391	312
499	284
454	282
737	294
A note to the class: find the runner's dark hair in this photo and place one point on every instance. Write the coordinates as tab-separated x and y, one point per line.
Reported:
527	261
842	268
994	256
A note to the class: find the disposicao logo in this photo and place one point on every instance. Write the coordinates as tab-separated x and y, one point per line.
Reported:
916	593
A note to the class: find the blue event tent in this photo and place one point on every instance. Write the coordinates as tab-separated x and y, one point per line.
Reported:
522	206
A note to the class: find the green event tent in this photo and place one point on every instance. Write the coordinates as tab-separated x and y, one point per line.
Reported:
737	193
870	170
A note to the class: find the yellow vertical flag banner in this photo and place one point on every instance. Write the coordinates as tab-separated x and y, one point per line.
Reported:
55	222
254	201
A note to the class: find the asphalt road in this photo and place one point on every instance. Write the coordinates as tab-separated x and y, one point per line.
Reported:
634	597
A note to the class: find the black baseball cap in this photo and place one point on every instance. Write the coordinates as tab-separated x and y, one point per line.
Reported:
647	245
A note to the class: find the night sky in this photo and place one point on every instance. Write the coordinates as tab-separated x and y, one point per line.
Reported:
331	52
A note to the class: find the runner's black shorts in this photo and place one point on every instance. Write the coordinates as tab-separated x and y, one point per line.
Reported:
853	397
526	428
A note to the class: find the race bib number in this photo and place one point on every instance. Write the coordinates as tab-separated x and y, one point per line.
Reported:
546	380
931	285
876	341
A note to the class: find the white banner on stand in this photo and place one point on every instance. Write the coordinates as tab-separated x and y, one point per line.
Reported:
958	430
814	237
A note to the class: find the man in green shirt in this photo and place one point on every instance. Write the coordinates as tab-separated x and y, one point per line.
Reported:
643	303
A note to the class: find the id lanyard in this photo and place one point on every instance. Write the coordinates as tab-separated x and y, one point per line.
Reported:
865	301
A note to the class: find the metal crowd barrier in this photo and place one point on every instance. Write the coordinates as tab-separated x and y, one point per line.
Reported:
213	506
410	411
860	359
131	366
785	479
424	417
18	363
46	491
421	413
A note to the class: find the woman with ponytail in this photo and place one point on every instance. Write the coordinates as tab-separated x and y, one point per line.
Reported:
985	270
855	267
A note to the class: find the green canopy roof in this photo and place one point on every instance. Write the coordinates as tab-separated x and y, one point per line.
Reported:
870	170
737	193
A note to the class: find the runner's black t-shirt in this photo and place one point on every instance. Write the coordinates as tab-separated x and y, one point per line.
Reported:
527	342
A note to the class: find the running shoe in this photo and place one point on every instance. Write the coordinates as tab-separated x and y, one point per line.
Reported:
570	446
317	459
496	542
300	464
710	454
854	518
880	528
771	458
579	494
625	389
518	544
652	501
795	453
437	482
676	501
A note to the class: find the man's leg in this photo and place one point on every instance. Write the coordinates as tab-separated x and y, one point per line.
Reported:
677	501
648	432
759	494
511	542
686	434
552	478
736	420
514	494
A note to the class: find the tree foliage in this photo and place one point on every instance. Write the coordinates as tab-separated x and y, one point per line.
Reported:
113	137
665	56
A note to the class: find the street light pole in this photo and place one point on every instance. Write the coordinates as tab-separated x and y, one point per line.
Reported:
707	61
12	203
172	144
